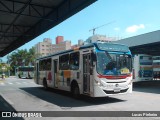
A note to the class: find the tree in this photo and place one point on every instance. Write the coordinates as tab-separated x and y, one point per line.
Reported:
22	58
4	68
31	56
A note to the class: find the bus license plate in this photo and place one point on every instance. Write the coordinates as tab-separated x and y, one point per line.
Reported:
117	89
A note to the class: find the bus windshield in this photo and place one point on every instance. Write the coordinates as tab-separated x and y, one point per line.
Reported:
26	68
113	64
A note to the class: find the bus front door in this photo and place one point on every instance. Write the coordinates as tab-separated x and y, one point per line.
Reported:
86	73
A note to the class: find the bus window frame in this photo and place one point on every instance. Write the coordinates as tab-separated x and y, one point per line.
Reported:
74	64
64	62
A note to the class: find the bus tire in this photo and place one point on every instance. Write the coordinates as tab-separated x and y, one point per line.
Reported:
45	84
75	91
19	75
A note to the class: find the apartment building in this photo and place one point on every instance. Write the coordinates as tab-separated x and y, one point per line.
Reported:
59	39
102	38
80	43
61	46
44	48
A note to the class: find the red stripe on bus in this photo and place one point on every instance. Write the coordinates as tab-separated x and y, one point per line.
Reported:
114	77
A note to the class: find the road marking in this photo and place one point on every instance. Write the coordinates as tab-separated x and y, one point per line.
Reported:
1	81
2	84
18	83
10	83
25	83
32	82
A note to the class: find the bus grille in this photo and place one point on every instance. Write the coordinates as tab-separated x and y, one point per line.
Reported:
112	92
116	82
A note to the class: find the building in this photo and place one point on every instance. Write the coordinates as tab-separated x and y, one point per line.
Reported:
44	48
61	46
74	46
59	39
102	38
80	43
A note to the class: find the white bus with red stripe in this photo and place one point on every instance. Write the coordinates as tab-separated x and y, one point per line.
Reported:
96	70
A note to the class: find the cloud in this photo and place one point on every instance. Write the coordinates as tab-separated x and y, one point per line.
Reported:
134	28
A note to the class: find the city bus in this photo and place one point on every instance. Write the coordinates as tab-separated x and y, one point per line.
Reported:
142	67
96	70
25	72
156	67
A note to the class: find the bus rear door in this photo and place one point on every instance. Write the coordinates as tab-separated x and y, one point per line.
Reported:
55	73
86	73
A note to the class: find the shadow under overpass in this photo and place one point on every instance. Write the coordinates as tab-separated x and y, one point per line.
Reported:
6	107
64	99
147	86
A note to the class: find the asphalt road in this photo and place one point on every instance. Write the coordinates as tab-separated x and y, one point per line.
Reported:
25	95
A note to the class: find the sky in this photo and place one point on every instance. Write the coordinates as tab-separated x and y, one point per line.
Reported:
123	18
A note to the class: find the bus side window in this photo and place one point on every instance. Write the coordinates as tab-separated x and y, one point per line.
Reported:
48	64
42	65
64	62
141	57
74	61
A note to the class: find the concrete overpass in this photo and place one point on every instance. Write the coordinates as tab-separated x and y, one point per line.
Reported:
148	43
23	20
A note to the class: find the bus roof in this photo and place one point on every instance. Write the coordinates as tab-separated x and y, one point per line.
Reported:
89	45
25	66
66	51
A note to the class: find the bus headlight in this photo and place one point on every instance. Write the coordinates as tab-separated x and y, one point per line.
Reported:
98	83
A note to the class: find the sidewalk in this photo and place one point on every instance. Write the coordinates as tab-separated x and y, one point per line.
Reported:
12	76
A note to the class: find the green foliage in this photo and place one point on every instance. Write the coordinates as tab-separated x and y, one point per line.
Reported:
4	67
22	58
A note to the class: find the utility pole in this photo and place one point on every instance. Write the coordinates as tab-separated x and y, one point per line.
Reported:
93	30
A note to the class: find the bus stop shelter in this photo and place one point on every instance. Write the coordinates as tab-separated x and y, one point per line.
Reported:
23	20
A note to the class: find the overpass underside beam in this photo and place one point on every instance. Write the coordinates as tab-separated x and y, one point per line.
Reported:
27	20
151	49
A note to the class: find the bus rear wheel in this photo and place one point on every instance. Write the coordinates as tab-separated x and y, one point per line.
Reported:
75	91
